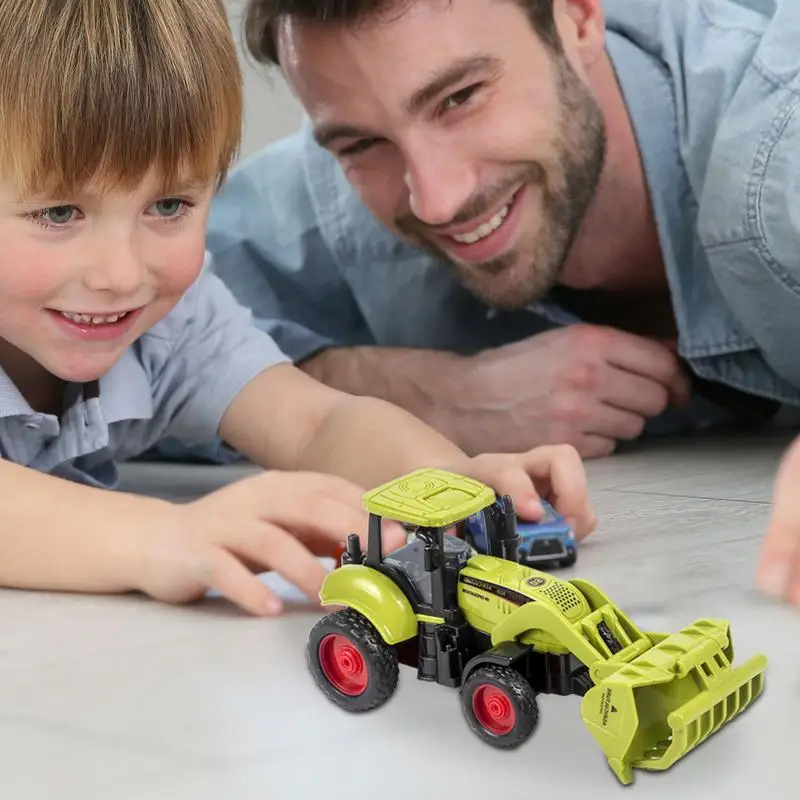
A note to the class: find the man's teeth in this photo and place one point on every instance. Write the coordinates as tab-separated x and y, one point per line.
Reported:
484	230
86	319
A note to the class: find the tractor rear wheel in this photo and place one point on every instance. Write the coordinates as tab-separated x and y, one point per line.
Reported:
500	706
350	662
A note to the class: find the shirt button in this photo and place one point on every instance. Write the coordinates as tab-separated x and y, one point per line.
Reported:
34	426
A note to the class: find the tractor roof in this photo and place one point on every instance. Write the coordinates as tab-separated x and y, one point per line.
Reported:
429	498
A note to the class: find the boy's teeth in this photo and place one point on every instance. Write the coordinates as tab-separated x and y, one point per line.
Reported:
484	230
86	319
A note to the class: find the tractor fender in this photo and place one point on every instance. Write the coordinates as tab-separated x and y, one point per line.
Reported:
505	654
375	596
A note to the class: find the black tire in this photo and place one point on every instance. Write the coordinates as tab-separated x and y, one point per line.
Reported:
570	558
500	706
350	662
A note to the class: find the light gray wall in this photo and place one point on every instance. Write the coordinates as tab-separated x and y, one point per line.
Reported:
271	110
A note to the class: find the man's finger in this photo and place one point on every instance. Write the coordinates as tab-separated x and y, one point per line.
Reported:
633	393
615	423
651	359
591	446
781	546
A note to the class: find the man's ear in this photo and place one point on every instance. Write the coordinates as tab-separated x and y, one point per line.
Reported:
582	27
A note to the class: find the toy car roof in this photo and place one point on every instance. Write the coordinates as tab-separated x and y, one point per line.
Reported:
429	498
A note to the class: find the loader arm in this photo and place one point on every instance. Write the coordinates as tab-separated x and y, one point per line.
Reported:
655	696
604	639
654	710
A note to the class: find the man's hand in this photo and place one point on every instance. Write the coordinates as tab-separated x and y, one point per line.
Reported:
779	565
582	385
279	521
554	473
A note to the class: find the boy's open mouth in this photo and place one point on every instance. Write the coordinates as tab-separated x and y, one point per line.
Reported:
94	327
91	319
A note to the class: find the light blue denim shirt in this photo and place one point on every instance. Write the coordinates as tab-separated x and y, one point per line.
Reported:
712	86
175	381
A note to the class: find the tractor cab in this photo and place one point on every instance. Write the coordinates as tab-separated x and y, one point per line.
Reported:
428	503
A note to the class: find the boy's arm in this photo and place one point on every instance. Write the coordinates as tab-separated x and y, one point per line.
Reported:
284	419
58	535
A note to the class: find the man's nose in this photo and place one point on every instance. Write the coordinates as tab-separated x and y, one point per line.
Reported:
439	185
116	267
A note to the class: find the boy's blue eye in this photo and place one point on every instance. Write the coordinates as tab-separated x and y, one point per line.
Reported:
169	207
58	215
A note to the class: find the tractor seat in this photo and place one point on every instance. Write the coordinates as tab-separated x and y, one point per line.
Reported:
409	560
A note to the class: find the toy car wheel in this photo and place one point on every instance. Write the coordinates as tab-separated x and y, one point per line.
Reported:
570	558
500	706
350	662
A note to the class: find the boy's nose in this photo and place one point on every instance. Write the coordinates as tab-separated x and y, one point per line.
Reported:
119	271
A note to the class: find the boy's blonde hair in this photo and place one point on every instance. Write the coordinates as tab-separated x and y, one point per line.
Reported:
106	90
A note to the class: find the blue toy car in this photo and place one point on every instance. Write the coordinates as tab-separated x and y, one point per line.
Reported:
548	541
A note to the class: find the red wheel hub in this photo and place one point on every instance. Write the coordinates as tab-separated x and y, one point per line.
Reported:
343	664
493	709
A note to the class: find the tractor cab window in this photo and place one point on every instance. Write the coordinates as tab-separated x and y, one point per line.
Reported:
475	532
409	562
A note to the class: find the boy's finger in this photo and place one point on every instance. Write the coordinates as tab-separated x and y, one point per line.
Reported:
283	553
562	467
508	477
394	536
320	517
238	584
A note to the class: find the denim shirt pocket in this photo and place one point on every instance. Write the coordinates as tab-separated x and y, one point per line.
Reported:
749	224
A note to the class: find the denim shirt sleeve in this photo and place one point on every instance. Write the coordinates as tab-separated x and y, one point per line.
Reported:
268	247
750	206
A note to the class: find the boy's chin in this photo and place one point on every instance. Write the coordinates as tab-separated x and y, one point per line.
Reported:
86	370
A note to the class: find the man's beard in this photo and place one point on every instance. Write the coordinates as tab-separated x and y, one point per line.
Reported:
523	275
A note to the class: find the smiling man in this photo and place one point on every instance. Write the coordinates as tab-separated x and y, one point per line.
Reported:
530	221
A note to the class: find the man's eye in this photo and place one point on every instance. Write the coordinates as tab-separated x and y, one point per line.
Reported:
360	146
460	97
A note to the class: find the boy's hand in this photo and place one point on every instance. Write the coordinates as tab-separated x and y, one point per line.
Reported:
281	521
552	472
779	565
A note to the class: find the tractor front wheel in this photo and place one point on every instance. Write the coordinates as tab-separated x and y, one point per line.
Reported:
350	662
500	706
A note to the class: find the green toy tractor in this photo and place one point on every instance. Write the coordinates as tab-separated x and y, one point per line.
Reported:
502	633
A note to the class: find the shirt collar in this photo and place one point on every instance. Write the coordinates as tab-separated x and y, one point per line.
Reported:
650	98
125	390
12	403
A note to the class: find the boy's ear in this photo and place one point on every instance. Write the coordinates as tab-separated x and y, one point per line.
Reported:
582	27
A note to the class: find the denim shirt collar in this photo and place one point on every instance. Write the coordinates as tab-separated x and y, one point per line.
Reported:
706	327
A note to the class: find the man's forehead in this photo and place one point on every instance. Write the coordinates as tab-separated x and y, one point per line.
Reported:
400	34
393	62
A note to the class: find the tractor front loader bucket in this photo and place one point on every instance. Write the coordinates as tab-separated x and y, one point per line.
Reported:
652	711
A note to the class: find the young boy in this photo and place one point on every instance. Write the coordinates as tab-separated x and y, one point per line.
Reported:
119	120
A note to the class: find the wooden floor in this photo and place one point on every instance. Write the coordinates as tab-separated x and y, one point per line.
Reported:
122	698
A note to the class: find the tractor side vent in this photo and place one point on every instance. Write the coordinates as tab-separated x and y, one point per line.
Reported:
564	596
